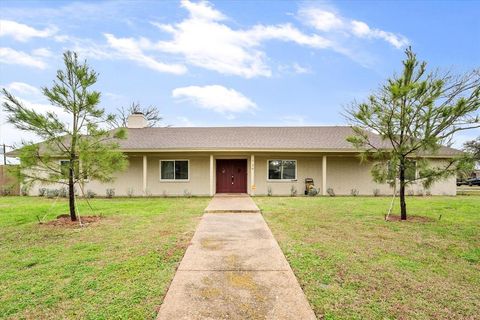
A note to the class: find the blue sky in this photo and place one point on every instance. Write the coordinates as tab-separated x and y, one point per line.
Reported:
230	63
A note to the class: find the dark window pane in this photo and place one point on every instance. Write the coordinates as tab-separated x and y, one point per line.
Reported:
390	171
410	170
167	172
274	169
65	167
289	169
181	170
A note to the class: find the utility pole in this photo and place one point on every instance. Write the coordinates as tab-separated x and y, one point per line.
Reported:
4	155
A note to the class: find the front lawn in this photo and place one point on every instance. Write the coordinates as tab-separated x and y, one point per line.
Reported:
354	265
117	268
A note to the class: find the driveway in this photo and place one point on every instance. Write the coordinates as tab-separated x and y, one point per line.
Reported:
234	269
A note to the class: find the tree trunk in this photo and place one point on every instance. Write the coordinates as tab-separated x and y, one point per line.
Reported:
71	194
403	204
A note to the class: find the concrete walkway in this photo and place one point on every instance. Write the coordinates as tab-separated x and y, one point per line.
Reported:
234	269
232	203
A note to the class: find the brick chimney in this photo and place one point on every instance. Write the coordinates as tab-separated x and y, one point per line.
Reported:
136	121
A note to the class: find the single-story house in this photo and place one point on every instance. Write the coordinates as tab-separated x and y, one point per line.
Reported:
172	161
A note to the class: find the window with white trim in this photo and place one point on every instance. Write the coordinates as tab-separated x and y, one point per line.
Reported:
174	170
65	170
282	169
411	170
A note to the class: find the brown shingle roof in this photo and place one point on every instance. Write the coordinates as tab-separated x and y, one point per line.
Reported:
247	138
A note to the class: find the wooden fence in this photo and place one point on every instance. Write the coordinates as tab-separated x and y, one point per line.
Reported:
8	185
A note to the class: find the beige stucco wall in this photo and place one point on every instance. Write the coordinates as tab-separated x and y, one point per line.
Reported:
344	173
199	177
131	178
347	173
307	167
198	183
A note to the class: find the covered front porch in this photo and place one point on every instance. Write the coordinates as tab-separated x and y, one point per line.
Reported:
212	173
259	173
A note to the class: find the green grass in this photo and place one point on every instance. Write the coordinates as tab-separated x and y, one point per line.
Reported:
354	265
118	268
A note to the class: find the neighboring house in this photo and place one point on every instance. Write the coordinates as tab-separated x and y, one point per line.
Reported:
254	160
475	174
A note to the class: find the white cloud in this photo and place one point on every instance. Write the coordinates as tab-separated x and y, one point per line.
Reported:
88	48
285	32
11	56
204	41
362	30
11	135
321	19
216	98
42	52
131	49
22	88
326	20
22	32
202	10
299	69
294	68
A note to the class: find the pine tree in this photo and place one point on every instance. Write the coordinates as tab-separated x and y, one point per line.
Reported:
73	151
415	113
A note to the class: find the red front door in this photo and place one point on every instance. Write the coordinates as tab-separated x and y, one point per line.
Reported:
232	176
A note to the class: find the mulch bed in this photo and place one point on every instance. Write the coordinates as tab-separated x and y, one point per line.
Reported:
411	218
64	220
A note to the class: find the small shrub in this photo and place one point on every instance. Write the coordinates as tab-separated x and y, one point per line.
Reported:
312	191
354	192
62	192
51	193
110	193
90	194
269	191
42	192
187	193
293	191
330	192
24	190
428	193
376	192
7	190
130	192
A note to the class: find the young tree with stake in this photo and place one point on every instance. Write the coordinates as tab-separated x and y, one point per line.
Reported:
415	113
72	151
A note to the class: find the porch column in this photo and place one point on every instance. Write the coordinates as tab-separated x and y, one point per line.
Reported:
252	175
144	175
212	185
324	175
